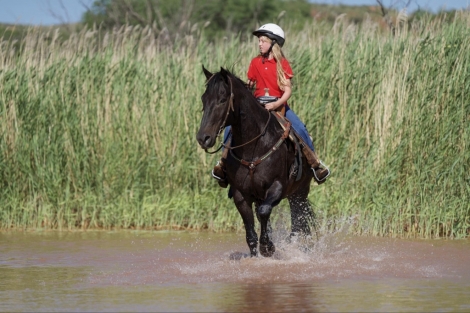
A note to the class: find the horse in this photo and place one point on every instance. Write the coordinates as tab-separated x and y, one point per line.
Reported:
259	165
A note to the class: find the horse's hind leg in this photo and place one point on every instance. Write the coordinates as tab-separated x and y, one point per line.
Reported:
263	212
302	216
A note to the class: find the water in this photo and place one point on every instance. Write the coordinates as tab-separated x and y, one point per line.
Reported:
193	271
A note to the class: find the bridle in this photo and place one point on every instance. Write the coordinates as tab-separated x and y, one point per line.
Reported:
222	126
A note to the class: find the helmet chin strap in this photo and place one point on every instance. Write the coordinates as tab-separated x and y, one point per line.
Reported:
266	55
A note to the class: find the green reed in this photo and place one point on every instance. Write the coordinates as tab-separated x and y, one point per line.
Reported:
99	131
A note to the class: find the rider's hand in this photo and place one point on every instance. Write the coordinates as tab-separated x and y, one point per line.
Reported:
272	105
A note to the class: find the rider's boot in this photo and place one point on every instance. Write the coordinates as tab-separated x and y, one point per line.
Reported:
219	173
320	171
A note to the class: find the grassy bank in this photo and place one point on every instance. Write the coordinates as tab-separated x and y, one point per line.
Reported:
100	131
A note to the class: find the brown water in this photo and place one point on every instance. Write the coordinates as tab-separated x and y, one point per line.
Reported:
187	272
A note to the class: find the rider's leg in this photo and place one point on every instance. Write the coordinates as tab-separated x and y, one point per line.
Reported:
219	169
319	170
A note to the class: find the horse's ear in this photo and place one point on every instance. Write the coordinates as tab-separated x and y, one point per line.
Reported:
206	72
223	71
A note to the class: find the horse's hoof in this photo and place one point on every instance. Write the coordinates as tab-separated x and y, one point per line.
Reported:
267	250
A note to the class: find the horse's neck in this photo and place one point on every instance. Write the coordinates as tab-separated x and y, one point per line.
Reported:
251	122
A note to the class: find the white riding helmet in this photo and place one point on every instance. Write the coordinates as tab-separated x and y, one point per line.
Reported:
272	31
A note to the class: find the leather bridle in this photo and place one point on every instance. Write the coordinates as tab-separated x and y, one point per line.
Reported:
222	126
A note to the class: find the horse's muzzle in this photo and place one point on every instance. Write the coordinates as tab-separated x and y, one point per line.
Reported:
205	141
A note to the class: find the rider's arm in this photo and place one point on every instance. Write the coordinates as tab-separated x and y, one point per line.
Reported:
282	100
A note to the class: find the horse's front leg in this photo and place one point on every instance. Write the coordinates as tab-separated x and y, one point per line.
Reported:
246	211
273	197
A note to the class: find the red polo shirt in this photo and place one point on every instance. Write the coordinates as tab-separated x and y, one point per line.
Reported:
265	75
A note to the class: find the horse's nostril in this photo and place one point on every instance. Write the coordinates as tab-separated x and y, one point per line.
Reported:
204	140
207	140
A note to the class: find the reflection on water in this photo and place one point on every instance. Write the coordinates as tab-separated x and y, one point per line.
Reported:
185	271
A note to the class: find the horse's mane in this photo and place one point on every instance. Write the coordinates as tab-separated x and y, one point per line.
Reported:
218	76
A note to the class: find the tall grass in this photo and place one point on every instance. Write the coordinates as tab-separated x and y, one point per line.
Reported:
99	131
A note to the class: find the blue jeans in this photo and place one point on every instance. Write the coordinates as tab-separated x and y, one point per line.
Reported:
297	125
226	132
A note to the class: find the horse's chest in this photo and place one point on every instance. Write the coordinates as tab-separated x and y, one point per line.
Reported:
253	178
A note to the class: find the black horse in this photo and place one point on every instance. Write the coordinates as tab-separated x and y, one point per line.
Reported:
259	165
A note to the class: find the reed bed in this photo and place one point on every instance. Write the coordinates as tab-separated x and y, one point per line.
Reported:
99	131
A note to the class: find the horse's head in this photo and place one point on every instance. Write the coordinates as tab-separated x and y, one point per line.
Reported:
217	101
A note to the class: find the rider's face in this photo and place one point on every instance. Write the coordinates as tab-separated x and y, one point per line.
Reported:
264	43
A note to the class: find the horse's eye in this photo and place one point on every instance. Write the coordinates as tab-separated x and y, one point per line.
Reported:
222	101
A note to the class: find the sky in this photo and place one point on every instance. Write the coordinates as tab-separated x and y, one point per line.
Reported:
51	12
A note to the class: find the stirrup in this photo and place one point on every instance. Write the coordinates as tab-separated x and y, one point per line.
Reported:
217	177
324	178
214	175
221	181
